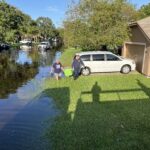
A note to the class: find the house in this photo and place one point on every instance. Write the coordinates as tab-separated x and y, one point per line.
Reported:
138	48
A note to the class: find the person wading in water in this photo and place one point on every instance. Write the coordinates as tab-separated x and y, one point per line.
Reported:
58	69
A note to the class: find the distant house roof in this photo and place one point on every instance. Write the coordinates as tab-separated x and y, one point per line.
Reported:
144	25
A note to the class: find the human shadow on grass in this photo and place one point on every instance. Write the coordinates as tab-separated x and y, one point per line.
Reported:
95	91
112	125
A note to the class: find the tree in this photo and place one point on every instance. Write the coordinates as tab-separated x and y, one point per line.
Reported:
11	18
14	25
144	11
92	23
46	27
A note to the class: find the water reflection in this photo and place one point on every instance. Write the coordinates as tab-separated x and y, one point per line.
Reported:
15	69
23	58
23	107
18	66
26	47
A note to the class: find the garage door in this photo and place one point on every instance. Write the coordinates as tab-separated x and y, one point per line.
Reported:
136	52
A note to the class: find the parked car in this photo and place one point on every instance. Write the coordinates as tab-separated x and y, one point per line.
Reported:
4	46
26	42
56	42
104	61
44	45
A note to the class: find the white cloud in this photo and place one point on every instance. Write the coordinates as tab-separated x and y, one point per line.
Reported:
52	9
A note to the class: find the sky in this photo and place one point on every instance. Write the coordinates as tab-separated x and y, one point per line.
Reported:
54	9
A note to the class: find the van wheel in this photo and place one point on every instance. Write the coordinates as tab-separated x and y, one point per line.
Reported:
86	71
126	69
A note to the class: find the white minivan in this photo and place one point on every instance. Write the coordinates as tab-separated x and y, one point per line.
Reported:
104	61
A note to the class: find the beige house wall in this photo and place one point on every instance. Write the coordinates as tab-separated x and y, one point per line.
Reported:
138	36
135	51
146	68
138	48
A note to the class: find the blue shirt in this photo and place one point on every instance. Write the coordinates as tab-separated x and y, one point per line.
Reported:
77	64
57	67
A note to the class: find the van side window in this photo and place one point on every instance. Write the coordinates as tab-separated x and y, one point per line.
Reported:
85	57
98	57
112	58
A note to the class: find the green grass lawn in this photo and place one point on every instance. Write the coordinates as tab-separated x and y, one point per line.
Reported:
101	112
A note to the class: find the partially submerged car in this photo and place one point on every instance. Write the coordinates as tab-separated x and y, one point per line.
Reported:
4	46
26	42
104	61
45	45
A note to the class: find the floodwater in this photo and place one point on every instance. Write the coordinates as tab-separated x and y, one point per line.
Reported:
25	111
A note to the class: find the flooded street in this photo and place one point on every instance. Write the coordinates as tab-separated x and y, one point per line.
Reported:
25	111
